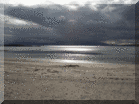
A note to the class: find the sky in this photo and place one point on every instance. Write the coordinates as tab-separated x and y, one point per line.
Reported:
55	22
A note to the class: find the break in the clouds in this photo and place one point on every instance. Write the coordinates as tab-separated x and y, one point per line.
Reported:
86	24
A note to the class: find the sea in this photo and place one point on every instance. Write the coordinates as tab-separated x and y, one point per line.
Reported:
74	53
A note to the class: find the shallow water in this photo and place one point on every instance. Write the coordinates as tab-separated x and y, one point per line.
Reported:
78	54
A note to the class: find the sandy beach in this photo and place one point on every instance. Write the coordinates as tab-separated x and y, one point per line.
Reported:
43	80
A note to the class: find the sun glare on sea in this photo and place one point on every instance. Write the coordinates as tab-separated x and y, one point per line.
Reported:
77	49
72	61
71	48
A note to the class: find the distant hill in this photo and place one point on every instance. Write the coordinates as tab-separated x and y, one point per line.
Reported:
22	44
15	45
50	44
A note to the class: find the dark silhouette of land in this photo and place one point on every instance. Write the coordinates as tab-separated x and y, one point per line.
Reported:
21	45
16	45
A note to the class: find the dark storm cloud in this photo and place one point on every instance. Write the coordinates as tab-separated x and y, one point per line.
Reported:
82	26
1	25
43	16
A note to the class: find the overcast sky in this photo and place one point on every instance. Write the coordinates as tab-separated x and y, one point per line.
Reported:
60	22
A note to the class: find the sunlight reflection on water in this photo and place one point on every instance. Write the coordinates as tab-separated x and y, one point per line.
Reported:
75	54
73	61
69	61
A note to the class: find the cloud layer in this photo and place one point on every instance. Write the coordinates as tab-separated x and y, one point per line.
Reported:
57	24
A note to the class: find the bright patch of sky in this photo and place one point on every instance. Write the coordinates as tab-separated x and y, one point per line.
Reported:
63	2
15	21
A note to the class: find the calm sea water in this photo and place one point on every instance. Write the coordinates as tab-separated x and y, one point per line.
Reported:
80	54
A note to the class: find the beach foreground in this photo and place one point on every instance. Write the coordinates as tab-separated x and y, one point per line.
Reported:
43	80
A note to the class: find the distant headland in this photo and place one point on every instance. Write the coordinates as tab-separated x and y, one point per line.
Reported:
22	45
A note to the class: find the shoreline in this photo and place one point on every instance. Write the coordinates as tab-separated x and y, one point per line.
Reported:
57	81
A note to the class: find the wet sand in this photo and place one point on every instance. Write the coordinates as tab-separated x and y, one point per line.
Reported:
43	80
